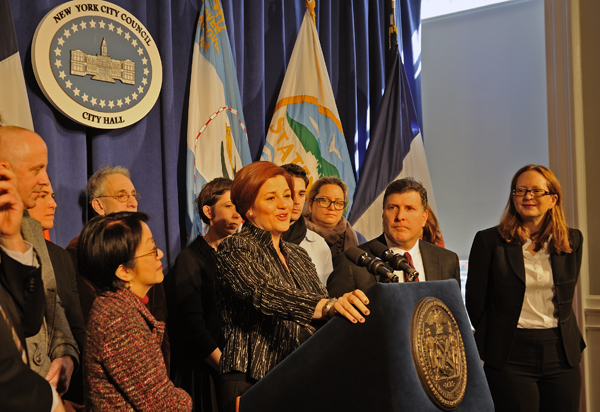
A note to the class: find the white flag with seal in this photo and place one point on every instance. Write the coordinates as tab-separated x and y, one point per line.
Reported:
306	128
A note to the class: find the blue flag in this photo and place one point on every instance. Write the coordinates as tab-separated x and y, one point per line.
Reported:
217	141
410	22
395	151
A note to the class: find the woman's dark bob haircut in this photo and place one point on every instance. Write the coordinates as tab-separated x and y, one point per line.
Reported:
105	243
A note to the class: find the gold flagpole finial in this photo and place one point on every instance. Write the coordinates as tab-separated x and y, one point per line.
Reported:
392	24
310	5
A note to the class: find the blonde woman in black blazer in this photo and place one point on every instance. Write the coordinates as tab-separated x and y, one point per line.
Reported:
519	295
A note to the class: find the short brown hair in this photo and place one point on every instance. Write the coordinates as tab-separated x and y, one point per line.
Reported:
511	225
210	193
296	171
248	181
408	184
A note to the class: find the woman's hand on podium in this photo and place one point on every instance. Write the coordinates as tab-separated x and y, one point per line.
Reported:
352	305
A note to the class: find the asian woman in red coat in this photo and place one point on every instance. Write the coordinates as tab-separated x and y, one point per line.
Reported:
124	369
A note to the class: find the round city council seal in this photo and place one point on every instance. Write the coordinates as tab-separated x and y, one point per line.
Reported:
97	63
438	353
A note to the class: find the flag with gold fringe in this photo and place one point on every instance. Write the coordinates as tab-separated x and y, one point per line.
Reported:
306	128
217	141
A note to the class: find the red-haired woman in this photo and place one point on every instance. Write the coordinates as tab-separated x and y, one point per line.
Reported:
431	230
520	287
268	289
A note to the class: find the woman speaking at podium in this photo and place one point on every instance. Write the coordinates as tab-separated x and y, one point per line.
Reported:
521	281
268	290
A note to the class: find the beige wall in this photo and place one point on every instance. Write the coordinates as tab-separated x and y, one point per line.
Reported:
573	72
590	96
590	82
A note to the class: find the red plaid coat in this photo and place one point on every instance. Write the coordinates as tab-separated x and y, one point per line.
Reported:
124	369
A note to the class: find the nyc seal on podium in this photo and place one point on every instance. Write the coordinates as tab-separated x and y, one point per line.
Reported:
438	353
97	64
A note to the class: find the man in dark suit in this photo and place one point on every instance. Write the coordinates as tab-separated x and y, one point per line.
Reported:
22	307
404	216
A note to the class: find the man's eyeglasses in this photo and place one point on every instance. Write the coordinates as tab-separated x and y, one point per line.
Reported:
124	197
324	202
534	192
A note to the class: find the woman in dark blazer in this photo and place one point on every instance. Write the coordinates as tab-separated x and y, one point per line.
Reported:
519	296
194	324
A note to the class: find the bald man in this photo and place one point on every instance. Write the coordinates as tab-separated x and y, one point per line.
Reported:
22	308
52	352
27	155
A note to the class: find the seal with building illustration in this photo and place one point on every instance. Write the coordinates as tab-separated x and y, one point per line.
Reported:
97	64
438	353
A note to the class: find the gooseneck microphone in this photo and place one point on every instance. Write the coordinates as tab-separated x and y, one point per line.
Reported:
374	265
398	262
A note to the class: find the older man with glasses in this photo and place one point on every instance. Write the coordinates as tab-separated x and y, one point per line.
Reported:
110	190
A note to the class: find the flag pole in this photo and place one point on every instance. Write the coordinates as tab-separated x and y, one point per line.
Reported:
310	5
392	29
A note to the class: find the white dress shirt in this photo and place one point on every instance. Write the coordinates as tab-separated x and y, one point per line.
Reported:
415	254
538	306
319	253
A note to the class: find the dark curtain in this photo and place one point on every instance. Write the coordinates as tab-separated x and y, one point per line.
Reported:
262	33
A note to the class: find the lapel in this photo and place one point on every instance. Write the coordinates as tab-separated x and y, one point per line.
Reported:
431	261
514	255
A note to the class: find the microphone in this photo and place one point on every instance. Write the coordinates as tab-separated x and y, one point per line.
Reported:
374	265
398	262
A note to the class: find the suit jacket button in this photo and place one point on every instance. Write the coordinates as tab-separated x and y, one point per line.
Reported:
37	359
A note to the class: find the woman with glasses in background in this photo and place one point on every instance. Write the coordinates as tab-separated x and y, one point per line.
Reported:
327	199
124	369
519	296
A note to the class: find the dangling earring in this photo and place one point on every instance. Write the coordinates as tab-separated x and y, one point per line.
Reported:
128	286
